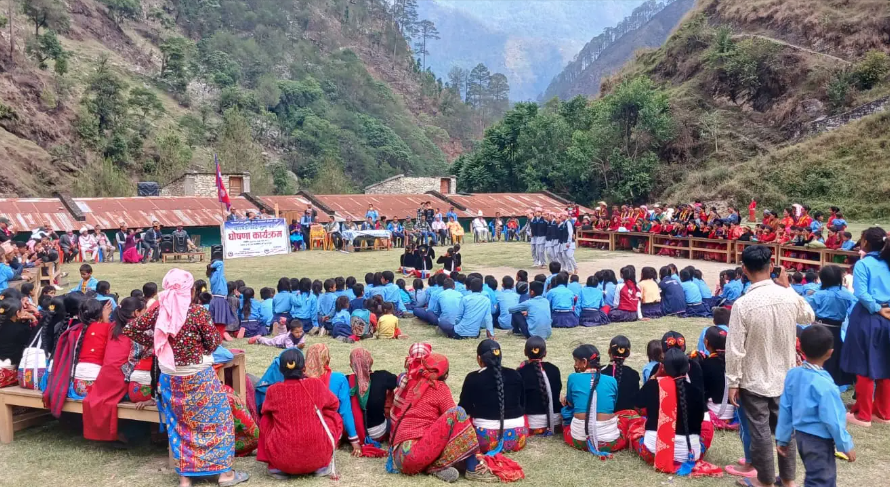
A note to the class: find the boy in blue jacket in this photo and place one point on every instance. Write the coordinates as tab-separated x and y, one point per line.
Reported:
811	406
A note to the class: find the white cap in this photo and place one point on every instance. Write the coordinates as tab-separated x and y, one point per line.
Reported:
480	213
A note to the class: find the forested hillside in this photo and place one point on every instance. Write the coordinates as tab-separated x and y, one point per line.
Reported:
647	27
324	94
718	112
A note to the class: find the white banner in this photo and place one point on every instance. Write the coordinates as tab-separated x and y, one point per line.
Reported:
254	238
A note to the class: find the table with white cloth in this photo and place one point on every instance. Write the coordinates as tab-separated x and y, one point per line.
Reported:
367	239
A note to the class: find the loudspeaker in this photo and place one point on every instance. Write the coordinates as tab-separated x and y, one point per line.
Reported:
217	252
167	244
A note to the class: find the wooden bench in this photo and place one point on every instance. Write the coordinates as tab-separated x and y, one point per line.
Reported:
741	245
849	258
701	246
596	236
13	397
676	244
177	255
786	261
617	236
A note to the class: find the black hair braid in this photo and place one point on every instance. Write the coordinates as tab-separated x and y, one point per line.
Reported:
77	348
618	370
155	374
544	392
683	409
500	391
595	380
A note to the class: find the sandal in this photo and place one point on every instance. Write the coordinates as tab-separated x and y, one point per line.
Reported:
238	478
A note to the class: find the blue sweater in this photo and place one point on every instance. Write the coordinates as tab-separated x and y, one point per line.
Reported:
871	282
834	303
218	279
692	293
539	316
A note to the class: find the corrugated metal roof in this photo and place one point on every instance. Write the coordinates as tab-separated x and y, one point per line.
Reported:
508	204
170	211
30	213
354	206
289	203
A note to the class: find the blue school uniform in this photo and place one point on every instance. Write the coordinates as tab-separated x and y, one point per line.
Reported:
391	292
811	286
701	346
375	291
326	305
798	288
646	371
92	282
676	278
6	273
506	299
732	291
591	298
446	308
539	316
866	351
266	312
357	303
609	288
810	403
848	245
491	295
406	298
433	294
691	292
474	314
308	311
340	324
218	279
560	298
706	293
419	298
461	288
103	298
834	303
577	289
672	296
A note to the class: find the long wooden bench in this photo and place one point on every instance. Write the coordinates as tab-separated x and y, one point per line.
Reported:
700	247
674	244
616	237
17	397
789	262
849	258
596	237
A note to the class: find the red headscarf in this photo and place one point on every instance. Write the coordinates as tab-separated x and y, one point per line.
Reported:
429	372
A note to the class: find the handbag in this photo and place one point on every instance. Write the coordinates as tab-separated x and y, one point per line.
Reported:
33	366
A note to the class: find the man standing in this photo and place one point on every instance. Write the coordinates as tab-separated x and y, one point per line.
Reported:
761	348
233	216
306	221
568	245
372	213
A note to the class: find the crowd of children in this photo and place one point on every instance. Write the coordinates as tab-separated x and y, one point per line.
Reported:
667	415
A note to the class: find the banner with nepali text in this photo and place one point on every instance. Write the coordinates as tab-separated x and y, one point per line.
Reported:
254	238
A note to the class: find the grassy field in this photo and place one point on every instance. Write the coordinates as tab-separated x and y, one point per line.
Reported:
57	453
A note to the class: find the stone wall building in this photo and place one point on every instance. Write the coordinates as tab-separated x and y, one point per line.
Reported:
401	184
205	184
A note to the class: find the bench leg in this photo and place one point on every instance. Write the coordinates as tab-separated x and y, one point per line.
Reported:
6	426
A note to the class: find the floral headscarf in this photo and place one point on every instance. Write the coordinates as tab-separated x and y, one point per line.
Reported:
317	362
361	364
430	371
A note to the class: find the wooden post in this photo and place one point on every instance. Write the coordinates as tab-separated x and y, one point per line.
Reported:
6	426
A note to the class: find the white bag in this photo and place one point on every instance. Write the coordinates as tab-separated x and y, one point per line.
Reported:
33	366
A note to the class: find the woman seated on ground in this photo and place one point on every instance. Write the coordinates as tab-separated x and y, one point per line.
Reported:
430	433
317	365
369	392
15	334
93	342
494	397
300	410
542	389
589	421
668	436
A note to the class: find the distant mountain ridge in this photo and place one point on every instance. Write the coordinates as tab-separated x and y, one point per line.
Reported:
648	26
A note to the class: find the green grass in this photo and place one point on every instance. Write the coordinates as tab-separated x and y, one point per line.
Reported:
58	454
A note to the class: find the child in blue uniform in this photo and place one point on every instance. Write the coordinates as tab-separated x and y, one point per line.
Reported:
561	301
810	405
592	299
832	304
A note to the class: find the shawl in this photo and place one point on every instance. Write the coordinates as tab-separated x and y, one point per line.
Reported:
361	364
316	363
423	376
173	306
59	378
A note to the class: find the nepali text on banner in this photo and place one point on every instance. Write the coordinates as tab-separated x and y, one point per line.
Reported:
254	238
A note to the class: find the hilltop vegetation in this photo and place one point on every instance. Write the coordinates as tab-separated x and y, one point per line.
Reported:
715	113
327	95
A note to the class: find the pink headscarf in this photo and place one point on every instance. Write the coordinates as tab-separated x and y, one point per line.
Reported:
173	305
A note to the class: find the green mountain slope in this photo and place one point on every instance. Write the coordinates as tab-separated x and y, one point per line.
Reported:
721	112
319	93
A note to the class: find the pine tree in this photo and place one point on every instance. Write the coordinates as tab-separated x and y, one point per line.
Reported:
426	30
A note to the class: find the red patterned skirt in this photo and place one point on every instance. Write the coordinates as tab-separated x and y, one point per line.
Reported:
449	440
8	377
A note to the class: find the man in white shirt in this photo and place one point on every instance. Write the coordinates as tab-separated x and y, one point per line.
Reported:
479	226
760	349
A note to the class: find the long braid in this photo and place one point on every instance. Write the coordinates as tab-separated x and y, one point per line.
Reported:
593	364
683	409
544	392
618	370
500	391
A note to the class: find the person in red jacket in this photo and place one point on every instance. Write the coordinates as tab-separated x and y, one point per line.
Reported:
298	411
752	210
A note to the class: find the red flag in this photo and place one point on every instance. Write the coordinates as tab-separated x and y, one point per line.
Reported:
222	196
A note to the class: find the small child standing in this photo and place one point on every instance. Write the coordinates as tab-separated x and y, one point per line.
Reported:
655	356
387	323
292	338
811	406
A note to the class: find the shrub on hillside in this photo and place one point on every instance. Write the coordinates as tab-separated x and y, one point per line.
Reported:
871	70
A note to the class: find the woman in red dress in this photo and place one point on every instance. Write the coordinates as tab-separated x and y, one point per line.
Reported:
298	411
